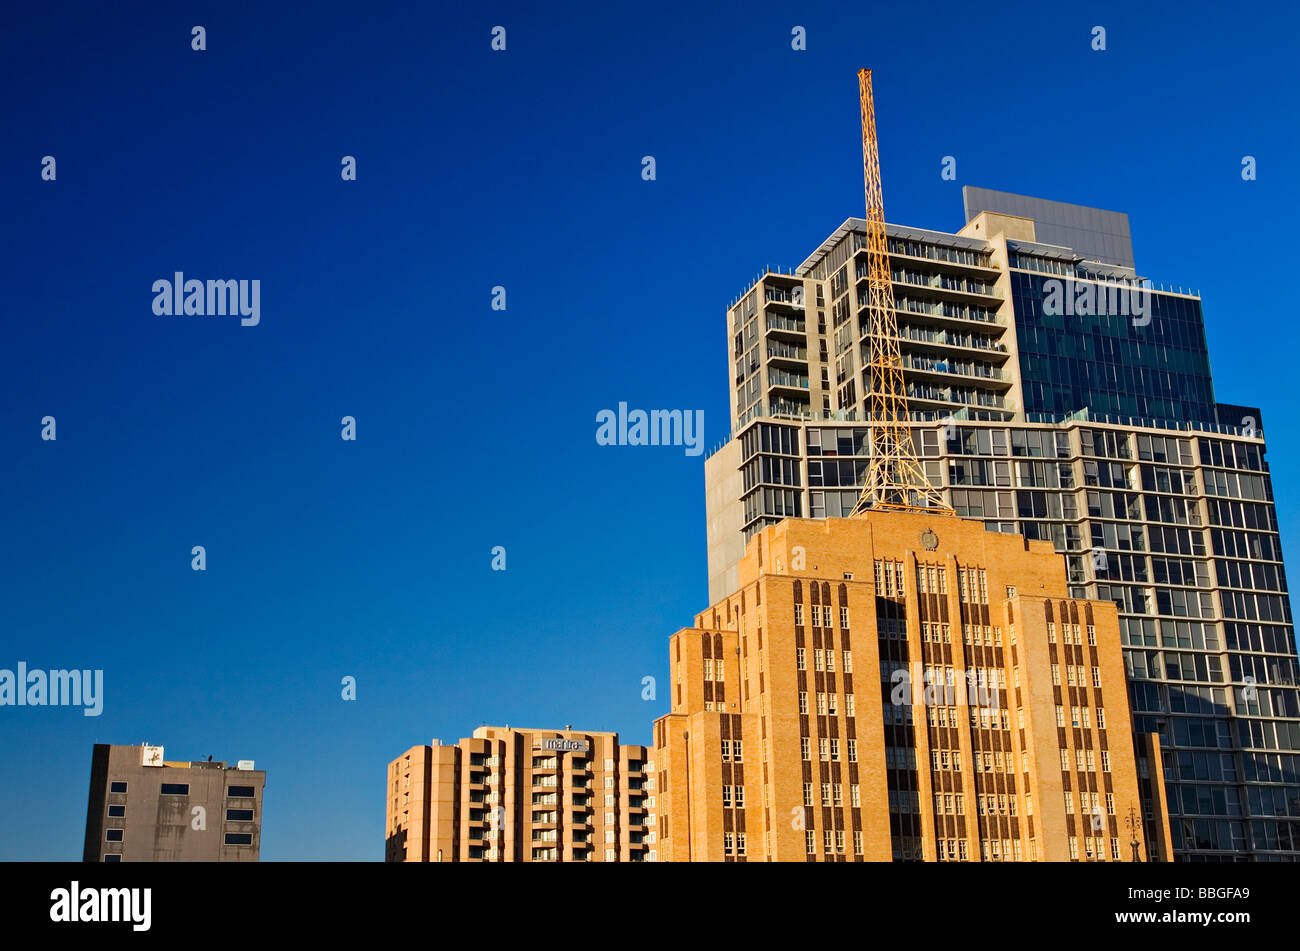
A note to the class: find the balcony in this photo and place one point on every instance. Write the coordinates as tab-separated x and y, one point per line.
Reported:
786	325
783	351
941	368
790	381
944	313
788	408
979	291
986	346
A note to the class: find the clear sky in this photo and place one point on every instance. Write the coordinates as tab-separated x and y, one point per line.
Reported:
475	427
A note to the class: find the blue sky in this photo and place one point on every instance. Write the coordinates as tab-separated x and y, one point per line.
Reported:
476	427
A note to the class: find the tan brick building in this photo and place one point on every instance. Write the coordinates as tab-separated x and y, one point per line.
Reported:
520	795
901	686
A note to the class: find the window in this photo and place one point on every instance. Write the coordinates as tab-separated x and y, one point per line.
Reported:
737	756
798	616
1060	715
239	815
835	748
1101	718
822	749
113	857
117	812
844	618
803	701
801	658
804	749
857	843
113	835
240	792
826	794
853	747
855	795
810	841
175	789
808	794
117	787
849	710
1105	761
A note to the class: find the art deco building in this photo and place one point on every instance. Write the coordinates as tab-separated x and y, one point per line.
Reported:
902	686
143	808
519	795
1043	409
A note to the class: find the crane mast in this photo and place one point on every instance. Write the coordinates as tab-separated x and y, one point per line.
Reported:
896	479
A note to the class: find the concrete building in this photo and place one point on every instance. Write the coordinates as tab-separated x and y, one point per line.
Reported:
1059	395
144	808
902	687
521	795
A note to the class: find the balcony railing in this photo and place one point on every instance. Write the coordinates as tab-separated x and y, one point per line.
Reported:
775	322
781	378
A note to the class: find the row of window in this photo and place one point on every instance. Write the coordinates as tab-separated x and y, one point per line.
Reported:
832	794
823	660
828	749
827	704
832	842
183	789
821	616
231	838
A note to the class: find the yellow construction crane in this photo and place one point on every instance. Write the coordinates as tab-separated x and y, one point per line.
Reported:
896	479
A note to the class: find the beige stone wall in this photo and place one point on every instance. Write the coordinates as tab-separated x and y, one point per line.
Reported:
1015	586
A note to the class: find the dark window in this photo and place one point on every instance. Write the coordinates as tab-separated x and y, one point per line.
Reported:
175	789
116	812
113	857
239	815
113	835
239	838
238	792
117	787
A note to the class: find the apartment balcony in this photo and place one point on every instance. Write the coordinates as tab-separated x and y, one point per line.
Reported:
777	351
779	379
788	408
931	257
943	370
922	393
945	285
970	344
940	315
786	327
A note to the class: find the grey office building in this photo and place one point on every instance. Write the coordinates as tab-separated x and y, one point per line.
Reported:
1058	394
144	808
